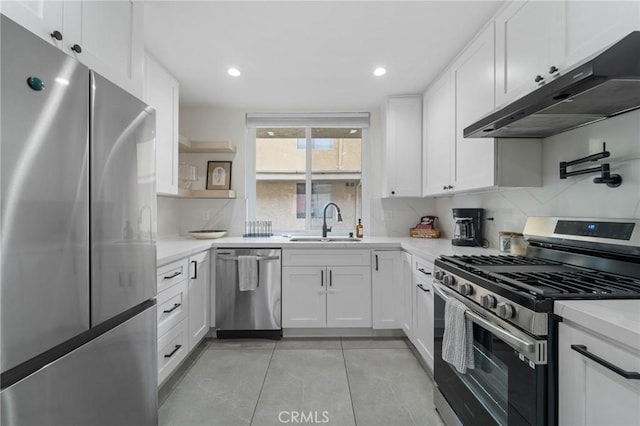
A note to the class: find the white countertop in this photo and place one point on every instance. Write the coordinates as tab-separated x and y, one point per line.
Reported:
172	249
616	319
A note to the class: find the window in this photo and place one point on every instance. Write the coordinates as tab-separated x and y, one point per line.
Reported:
298	170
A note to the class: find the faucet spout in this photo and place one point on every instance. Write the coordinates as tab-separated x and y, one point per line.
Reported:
325	228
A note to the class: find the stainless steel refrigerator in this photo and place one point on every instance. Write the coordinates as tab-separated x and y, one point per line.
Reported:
78	274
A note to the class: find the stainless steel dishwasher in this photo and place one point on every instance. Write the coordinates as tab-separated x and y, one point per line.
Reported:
254	313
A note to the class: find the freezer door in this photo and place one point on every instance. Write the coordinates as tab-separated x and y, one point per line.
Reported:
123	201
112	380
44	196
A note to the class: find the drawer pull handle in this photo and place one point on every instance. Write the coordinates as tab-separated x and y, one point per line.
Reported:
424	272
377	263
175	274
426	290
582	349
195	270
176	306
175	349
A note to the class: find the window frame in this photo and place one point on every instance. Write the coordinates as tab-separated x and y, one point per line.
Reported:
307	121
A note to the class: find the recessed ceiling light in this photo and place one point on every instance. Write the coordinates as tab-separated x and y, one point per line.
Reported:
270	133
378	72
353	131
234	72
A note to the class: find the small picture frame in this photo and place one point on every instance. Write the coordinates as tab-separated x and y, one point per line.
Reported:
219	175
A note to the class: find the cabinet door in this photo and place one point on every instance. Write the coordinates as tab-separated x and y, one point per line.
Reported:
161	92
588	392
386	290
473	77
423	319
303	296
407	294
438	137
529	39
404	146
592	26
198	295
348	296
41	17
110	34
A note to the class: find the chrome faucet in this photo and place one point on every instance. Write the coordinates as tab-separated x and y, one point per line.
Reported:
325	228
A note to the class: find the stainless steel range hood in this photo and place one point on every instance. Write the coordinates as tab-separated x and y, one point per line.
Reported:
604	86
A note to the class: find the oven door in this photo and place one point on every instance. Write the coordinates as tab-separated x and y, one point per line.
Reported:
507	385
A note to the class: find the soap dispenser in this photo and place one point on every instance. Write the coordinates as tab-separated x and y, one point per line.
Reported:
359	229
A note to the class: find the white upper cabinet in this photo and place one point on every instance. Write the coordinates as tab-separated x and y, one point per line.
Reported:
473	76
161	91
592	26
438	134
529	47
403	161
107	36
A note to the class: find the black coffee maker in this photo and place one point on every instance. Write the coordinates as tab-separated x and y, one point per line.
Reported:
468	227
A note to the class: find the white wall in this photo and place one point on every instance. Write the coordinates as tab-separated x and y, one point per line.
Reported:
575	196
177	217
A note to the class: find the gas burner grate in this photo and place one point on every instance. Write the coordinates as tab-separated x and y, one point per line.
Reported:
569	284
470	262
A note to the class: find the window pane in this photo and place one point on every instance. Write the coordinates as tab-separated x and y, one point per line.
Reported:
281	172
280	168
338	165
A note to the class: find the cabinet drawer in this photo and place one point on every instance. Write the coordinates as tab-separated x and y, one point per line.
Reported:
172	307
172	349
422	268
331	257
172	273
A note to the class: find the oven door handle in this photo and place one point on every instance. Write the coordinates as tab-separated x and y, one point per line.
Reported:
514	341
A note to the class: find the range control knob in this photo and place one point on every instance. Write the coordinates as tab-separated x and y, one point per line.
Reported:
449	280
466	289
488	301
439	275
505	310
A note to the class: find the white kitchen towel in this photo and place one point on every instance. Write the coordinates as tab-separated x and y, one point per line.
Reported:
457	342
247	273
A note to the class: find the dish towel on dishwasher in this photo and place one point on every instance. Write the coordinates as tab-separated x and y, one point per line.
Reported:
457	342
247	273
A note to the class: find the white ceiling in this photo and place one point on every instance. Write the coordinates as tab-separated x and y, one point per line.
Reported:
307	55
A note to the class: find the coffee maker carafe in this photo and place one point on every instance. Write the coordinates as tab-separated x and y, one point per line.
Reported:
468	227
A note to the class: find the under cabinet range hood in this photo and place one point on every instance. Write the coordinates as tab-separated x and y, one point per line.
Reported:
602	87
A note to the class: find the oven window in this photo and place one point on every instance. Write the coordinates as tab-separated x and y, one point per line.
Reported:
489	380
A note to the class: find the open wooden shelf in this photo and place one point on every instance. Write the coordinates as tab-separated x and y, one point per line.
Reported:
205	193
186	146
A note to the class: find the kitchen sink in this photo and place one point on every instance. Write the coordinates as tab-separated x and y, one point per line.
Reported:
318	238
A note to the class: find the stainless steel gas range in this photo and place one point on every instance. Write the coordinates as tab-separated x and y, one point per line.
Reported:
509	305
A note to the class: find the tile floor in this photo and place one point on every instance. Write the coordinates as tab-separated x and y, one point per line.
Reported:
343	382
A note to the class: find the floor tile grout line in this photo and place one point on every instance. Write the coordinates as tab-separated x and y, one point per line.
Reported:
346	372
273	351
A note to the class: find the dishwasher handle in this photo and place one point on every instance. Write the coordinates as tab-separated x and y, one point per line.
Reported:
258	258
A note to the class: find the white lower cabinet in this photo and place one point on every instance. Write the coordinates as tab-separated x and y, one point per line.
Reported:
182	310
320	289
172	350
198	293
589	391
407	294
423	309
386	290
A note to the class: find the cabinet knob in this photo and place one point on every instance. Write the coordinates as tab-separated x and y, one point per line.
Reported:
393	192
57	35
444	187
553	69
449	187
538	78
76	48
